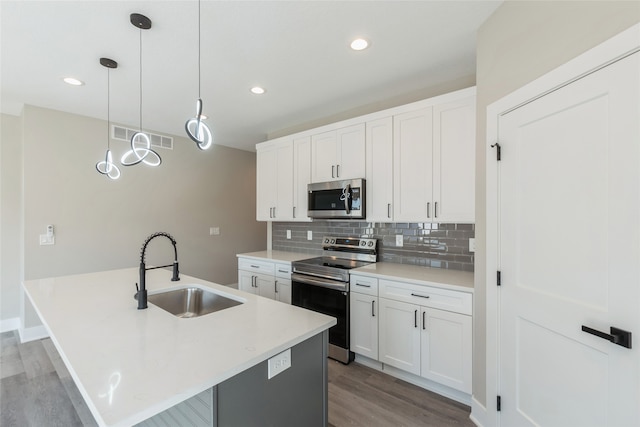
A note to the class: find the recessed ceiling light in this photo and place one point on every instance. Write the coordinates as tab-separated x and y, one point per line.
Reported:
359	44
257	90
72	81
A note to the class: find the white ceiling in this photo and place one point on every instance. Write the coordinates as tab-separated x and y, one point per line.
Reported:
298	50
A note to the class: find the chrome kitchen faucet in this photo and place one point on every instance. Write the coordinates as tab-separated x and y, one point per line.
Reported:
141	294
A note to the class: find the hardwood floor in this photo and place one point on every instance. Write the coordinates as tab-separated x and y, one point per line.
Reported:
36	390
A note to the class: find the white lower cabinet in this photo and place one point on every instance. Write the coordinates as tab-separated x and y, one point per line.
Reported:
400	326
265	278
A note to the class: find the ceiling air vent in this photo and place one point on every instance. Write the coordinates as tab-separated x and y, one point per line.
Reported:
125	134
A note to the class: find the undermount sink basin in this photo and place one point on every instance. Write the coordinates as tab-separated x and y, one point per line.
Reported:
191	301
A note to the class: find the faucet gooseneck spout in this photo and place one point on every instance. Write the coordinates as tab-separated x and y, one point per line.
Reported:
141	294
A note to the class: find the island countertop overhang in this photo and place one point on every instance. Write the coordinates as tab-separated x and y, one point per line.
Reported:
130	364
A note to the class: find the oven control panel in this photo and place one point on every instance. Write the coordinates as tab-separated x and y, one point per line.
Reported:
332	243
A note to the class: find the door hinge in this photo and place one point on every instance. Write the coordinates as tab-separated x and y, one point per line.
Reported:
498	403
496	145
498	278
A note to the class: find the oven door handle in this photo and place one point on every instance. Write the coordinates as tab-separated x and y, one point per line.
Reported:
347	196
322	283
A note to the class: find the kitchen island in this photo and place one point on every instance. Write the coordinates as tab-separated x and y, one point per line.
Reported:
131	364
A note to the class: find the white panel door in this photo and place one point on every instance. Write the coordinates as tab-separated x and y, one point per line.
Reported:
454	159
569	205
399	335
412	168
364	324
380	170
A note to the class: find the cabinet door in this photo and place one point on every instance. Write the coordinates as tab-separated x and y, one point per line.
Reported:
266	183
246	281
399	335
364	324
323	157
454	161
301	177
266	286
283	290
379	154
446	353
351	158
412	168
283	209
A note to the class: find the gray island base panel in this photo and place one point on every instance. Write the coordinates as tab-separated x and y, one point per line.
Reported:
297	396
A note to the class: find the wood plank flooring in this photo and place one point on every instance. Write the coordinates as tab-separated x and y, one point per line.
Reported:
36	390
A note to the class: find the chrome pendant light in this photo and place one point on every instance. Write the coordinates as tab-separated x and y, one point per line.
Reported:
140	143
106	166
198	130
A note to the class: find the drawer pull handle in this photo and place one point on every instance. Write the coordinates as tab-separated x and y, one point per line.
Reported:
418	295
283	271
364	286
255	266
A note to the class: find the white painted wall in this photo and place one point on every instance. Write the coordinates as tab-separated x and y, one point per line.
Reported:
521	41
101	224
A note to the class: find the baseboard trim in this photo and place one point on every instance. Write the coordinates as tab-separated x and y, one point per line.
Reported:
7	325
478	413
33	333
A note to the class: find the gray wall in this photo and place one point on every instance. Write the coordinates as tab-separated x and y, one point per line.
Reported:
521	41
10	215
101	224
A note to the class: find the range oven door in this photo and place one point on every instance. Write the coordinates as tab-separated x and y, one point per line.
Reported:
313	294
337	199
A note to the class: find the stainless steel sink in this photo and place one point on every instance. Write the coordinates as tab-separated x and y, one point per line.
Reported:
191	301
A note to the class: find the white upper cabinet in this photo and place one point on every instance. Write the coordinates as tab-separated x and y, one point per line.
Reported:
434	163
338	154
274	186
413	157
301	177
379	176
454	153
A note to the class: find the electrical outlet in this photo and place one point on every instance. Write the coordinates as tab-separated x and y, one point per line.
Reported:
309	235
279	363
399	240
289	234
472	244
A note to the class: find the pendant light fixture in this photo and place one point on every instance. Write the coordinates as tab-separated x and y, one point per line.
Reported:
140	143
106	166
198	130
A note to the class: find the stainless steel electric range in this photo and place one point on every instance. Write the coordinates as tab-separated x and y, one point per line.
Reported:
322	284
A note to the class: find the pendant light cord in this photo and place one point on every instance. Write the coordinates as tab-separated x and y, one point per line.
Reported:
199	72
108	106
140	80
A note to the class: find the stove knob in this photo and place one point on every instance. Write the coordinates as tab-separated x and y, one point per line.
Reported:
363	243
326	240
370	243
333	241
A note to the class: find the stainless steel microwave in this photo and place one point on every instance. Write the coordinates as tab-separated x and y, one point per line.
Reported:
337	199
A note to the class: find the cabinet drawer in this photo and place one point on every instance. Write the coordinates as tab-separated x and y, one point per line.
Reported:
256	266
363	285
283	270
427	296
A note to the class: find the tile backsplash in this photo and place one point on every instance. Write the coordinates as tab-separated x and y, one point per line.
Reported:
426	244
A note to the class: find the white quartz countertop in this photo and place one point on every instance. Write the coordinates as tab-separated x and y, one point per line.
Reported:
276	256
438	277
131	364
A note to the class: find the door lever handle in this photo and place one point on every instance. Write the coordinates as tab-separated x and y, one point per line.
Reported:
616	336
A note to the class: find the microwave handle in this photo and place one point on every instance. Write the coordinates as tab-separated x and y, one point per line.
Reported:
347	194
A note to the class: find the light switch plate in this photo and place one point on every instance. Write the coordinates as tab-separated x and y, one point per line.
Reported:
279	363
289	234
472	244
399	240
309	235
